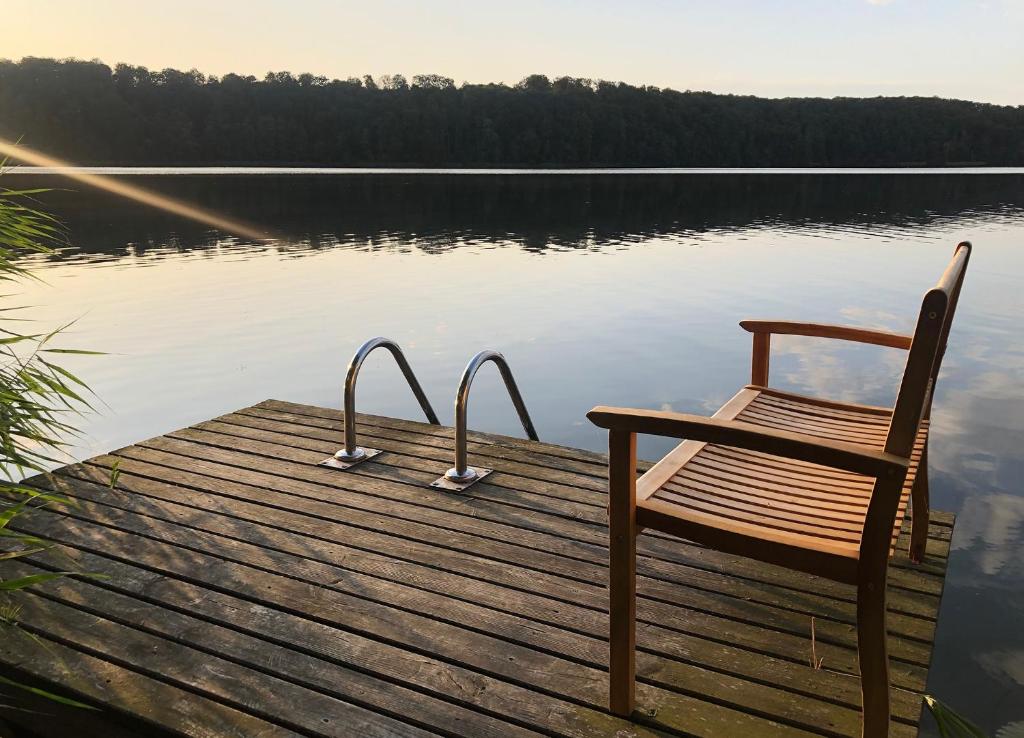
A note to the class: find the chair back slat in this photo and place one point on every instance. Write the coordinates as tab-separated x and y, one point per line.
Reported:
913	403
952	279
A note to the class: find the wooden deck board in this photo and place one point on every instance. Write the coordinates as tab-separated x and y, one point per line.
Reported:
243	578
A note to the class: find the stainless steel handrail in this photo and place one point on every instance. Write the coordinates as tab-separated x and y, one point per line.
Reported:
462	473
352	452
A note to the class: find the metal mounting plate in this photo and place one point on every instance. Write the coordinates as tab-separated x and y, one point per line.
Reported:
336	463
451	486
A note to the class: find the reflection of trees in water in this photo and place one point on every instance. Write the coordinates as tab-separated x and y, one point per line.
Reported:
439	212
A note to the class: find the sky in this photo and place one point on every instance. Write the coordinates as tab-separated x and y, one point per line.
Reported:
969	49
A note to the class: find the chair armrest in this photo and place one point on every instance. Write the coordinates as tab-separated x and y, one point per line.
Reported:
824	330
800	446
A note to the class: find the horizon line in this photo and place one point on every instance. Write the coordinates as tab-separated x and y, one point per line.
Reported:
593	82
128	170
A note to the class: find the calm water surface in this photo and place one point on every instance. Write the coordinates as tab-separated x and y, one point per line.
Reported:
598	289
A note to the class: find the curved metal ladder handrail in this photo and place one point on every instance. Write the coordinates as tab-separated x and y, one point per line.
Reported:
462	475
352	453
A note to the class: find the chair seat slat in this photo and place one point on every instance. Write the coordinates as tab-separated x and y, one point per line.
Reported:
806	500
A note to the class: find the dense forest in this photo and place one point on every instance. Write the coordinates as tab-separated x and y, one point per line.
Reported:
88	113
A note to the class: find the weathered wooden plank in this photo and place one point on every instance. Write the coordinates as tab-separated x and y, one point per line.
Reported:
383	471
307	412
394	591
315	434
281	483
576	539
476	614
432	526
742	619
531	459
124	699
273	700
900	625
714	656
543	561
240	425
279	657
587	494
531	447
419	634
326	642
401	462
29	714
335	418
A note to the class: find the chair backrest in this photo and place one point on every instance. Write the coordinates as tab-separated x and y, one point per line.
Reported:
913	403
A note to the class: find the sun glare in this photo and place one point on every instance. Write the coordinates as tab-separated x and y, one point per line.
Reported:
139	194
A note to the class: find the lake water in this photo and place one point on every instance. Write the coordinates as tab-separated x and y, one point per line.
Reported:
599	289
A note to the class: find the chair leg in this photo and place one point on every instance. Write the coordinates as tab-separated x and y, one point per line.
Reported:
872	653
920	510
622	572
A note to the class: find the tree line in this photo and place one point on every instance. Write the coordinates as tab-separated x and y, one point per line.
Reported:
88	113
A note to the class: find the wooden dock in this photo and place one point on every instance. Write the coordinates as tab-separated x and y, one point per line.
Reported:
246	591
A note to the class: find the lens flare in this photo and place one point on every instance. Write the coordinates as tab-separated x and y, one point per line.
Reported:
133	192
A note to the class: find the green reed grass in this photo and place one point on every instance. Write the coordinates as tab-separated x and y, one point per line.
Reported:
40	401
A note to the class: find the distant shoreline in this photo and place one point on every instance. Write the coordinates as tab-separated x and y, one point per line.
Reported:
482	171
86	113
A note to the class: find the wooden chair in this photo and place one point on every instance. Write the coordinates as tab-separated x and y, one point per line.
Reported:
810	484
